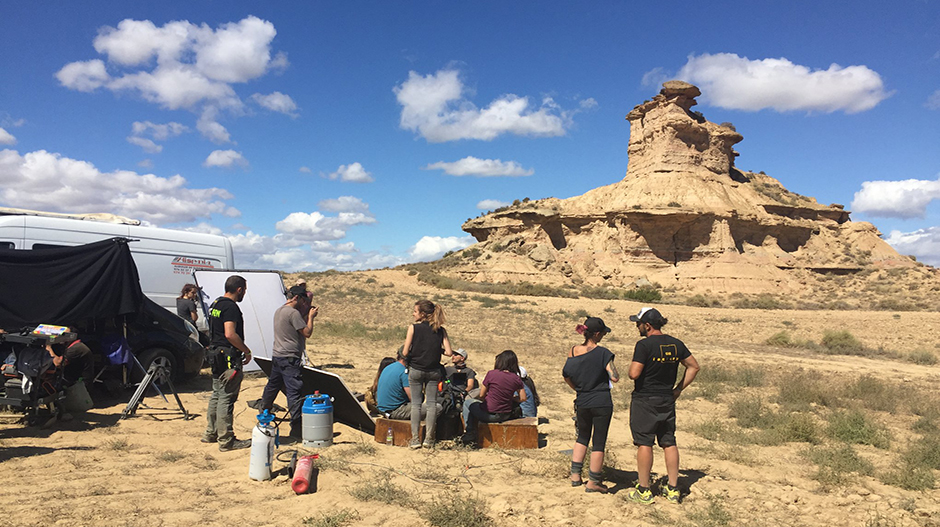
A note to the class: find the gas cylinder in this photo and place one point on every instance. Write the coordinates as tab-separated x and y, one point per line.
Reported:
318	420
305	479
262	448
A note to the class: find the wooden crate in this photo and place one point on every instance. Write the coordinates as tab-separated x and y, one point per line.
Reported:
401	431
515	434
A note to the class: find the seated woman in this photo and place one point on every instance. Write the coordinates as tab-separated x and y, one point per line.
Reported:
371	401
501	387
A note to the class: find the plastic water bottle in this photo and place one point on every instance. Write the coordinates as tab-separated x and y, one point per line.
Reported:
262	448
389	438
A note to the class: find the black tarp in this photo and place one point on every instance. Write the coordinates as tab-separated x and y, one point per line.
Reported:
68	285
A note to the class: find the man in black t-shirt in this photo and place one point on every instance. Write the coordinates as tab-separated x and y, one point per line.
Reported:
654	370
227	354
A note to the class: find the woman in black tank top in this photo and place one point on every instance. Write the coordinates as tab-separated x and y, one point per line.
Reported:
425	343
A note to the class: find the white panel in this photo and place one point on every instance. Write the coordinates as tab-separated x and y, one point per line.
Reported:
265	294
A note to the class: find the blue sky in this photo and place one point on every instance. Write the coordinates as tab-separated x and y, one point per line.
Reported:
362	134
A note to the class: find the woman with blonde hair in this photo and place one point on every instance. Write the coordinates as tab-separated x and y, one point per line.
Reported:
425	342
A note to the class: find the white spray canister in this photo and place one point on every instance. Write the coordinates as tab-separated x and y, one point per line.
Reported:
262	448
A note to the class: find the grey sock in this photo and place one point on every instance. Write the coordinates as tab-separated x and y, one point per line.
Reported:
576	468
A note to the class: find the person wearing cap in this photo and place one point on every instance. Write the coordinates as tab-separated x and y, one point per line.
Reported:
590	371
654	370
461	376
291	331
530	405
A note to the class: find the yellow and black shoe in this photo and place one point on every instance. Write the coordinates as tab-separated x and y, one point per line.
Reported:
671	494
644	497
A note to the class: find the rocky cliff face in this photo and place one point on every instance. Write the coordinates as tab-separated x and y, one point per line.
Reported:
683	216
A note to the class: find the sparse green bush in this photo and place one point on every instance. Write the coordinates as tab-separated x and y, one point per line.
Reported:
361	331
381	489
781	339
802	389
643	294
842	342
836	463
457	511
337	518
873	393
855	427
713	515
701	301
581	313
923	357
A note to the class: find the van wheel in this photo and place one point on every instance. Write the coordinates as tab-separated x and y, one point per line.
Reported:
161	357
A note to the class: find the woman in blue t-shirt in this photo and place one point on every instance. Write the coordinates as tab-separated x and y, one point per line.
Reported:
590	371
501	388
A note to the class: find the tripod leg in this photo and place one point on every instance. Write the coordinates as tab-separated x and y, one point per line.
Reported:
178	401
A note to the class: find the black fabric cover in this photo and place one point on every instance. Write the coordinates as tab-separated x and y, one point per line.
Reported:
68	285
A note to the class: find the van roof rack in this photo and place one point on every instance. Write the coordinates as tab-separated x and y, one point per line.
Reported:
103	217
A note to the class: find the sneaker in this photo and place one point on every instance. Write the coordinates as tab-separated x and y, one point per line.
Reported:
428	444
236	444
645	497
671	494
414	445
209	439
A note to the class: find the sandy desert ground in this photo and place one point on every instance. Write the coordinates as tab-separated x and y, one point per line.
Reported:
768	435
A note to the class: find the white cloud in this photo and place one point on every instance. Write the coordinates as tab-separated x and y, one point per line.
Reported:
924	244
432	247
159	132
204	228
145	163
654	78
84	76
6	138
343	204
435	107
472	166
225	158
730	81
70	185
896	199
933	102
492	204
315	226
211	129
353	173
588	104
277	102
305	170
146	144
180	65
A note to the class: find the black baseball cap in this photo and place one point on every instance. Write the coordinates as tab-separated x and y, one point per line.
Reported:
647	314
595	324
297	291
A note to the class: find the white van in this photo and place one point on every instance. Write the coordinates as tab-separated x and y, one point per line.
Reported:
165	258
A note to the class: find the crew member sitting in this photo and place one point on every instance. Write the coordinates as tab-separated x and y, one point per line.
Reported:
393	393
74	358
461	376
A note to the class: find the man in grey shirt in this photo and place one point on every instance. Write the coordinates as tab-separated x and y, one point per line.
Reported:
290	333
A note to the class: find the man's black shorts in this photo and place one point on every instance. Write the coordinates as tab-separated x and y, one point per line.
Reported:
653	417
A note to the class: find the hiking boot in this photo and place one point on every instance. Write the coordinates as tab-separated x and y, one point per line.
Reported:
236	444
671	494
645	497
209	439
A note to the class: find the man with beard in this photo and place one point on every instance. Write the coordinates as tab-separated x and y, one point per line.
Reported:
228	353
291	330
654	371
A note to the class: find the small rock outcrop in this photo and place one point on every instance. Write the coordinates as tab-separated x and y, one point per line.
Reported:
683	217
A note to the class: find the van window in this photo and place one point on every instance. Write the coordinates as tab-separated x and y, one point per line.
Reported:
6	245
47	246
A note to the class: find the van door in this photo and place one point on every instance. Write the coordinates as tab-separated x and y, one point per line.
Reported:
11	232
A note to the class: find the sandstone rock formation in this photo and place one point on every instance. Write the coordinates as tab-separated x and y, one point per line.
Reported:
683	217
